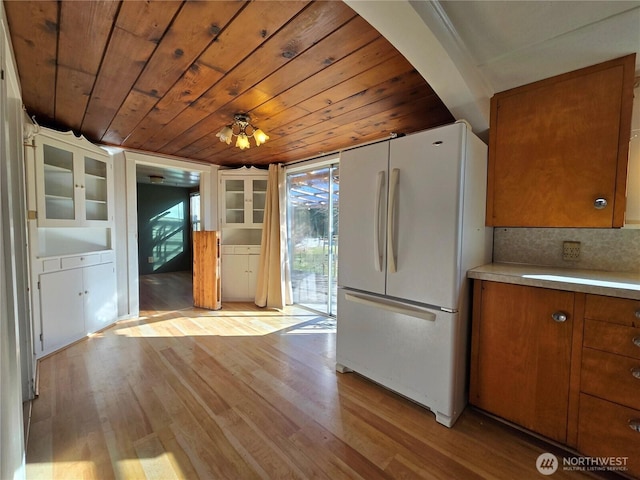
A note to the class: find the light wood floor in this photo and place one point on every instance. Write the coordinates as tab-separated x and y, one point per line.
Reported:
243	393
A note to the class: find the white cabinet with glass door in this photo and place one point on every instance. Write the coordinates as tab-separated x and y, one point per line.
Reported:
73	180
242	197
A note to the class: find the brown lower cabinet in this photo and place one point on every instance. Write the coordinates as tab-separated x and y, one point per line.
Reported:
565	365
522	356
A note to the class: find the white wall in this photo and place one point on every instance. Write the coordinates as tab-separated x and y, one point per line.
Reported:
12	451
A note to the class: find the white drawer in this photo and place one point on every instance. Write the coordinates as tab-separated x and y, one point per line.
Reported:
241	249
106	257
81	261
50	265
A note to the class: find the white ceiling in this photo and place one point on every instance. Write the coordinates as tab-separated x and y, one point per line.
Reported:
469	50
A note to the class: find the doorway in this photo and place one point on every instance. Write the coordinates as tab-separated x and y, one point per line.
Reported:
312	203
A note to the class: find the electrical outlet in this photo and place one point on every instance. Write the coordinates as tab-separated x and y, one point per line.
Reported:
571	251
150	259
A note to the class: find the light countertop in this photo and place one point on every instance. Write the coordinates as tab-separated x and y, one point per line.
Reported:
612	284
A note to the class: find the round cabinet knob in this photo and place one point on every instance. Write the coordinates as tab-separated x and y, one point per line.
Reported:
600	203
559	317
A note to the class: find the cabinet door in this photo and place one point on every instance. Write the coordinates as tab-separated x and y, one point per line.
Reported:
252	275
100	303
559	145
57	182
521	356
234	276
95	188
258	200
233	201
62	308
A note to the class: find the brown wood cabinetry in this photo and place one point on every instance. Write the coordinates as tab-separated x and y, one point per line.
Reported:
559	145
521	355
609	415
576	381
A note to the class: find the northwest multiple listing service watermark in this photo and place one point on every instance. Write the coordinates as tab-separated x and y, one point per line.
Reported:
548	464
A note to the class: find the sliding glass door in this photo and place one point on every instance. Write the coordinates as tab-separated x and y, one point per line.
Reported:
313	236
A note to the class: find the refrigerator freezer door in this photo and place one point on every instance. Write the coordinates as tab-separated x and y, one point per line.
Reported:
363	206
416	352
426	216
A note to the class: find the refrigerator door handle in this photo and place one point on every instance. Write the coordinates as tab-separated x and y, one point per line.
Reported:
377	252
392	254
403	309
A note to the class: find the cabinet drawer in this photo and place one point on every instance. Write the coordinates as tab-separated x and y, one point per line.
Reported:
614	310
247	249
241	249
611	377
106	257
612	338
604	430
50	265
80	261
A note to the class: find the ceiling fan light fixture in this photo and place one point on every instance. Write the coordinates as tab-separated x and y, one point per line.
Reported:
243	130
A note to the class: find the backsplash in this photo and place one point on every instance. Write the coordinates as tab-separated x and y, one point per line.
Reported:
600	249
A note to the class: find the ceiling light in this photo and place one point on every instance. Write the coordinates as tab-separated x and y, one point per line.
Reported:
243	130
156	178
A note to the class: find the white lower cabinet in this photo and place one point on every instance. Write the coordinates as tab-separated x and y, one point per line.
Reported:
100	302
76	302
239	274
62	308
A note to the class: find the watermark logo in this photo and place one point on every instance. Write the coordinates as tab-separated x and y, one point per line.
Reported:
547	463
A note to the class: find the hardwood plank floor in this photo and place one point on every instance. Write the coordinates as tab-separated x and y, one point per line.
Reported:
243	393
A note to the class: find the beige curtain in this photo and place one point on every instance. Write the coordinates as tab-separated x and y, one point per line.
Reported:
274	283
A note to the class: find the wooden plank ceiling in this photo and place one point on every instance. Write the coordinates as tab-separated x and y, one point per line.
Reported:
166	76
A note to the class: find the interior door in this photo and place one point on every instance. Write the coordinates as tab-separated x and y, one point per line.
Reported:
363	205
423	213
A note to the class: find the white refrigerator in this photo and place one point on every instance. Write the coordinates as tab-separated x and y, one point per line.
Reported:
412	222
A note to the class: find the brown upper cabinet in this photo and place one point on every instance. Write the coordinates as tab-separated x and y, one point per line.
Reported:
558	149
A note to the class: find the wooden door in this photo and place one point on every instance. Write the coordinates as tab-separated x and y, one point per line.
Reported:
559	145
206	270
521	356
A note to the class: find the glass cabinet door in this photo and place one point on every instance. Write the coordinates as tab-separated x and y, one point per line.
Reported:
234	201
259	196
95	189
59	184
